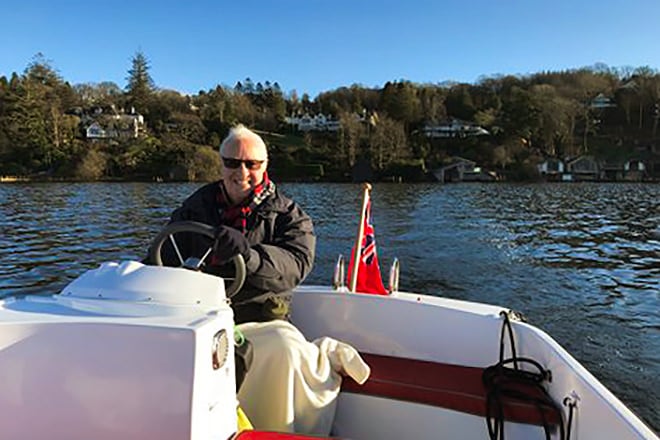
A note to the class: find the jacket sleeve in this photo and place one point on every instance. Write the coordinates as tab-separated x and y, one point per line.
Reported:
283	263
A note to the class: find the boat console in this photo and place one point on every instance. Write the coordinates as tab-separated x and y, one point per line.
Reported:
125	351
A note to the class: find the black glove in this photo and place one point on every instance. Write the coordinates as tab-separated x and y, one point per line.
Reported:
230	242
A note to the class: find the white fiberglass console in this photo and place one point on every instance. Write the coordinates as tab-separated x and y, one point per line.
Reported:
125	351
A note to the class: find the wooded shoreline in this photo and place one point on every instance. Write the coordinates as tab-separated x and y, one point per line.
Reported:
507	126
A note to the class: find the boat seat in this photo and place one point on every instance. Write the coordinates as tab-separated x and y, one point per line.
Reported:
449	386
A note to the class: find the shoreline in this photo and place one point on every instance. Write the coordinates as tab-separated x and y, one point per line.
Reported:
26	179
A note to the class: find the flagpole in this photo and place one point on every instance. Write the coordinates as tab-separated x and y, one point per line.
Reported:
357	253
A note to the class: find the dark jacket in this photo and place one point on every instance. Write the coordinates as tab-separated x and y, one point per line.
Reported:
282	243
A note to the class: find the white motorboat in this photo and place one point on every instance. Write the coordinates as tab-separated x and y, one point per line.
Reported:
128	351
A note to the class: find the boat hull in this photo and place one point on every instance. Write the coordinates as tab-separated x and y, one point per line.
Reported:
132	351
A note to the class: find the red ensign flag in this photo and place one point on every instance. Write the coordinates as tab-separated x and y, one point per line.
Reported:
368	275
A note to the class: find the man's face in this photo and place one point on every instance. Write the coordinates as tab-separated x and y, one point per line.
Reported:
243	167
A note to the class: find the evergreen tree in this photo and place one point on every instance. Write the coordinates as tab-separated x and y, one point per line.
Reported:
140	85
37	125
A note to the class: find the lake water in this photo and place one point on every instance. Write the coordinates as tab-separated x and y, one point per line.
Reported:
581	261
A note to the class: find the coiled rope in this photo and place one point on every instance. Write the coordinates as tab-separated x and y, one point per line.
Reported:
504	383
571	403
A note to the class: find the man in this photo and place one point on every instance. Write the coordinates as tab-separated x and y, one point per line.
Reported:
272	233
276	239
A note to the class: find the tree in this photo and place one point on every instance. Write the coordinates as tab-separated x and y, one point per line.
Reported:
459	102
432	101
140	85
399	100
241	110
293	103
92	166
103	94
587	85
248	85
519	116
215	112
306	103
625	98
647	90
388	143
203	164
38	125
556	118
349	137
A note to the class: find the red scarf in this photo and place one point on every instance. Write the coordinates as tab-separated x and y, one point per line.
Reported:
236	215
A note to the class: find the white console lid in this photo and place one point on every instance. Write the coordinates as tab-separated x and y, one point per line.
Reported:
135	282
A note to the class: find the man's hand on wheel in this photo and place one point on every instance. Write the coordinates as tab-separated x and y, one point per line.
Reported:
230	242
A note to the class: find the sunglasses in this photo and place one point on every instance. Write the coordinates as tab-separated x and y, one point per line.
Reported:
235	163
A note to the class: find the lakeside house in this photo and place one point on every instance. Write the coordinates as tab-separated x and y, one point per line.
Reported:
112	124
611	171
634	170
601	102
318	122
551	169
454	128
582	168
459	169
631	170
477	174
586	168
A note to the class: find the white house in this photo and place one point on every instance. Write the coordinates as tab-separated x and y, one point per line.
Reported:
452	129
318	122
601	102
115	126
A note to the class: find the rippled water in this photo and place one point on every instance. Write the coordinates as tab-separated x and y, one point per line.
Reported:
581	261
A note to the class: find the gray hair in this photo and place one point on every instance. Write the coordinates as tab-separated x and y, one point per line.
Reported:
238	132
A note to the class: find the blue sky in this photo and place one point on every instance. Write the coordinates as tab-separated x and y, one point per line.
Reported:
317	45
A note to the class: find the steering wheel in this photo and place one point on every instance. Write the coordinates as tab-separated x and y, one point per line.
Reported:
195	263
